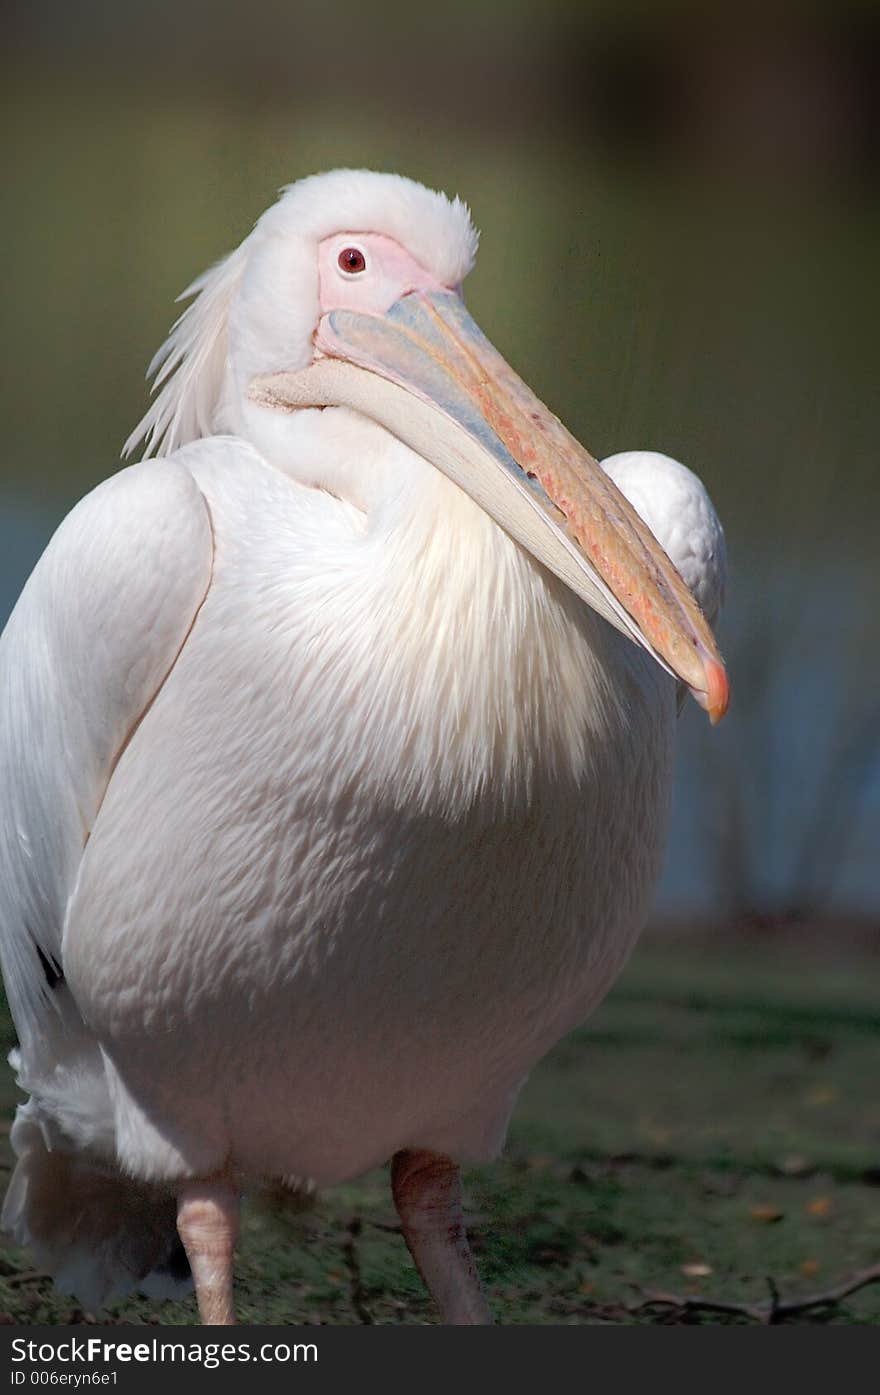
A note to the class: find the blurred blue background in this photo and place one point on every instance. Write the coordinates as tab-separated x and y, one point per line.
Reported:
680	231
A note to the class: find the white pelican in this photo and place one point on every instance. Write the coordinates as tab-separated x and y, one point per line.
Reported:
335	752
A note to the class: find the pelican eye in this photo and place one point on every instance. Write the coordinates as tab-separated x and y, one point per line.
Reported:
352	260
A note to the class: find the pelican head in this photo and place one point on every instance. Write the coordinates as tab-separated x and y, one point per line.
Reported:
347	295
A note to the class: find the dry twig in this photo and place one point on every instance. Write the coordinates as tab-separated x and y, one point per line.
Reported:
27	1276
353	1264
777	1310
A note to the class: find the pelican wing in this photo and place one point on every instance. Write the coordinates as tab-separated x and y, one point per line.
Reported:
675	504
95	633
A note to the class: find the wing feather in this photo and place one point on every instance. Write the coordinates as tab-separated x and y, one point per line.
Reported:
95	633
675	504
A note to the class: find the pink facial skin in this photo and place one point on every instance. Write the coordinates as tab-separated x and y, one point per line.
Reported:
389	273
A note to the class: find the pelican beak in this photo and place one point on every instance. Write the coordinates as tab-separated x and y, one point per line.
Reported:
427	373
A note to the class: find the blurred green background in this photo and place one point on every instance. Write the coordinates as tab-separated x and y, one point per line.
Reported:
680	223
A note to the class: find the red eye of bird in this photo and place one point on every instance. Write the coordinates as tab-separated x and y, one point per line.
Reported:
352	259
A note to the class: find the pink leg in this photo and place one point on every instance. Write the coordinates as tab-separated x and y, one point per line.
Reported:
207	1223
427	1194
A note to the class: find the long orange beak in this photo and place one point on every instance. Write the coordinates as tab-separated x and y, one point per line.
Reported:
427	372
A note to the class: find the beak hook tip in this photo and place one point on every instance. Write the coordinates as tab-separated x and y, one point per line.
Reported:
717	691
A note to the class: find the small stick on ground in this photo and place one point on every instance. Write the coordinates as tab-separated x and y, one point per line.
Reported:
353	1264
27	1276
777	1310
386	1226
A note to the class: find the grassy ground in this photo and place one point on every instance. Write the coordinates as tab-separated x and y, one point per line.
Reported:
715	1124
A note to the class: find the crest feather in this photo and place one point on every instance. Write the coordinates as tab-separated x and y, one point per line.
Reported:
189	370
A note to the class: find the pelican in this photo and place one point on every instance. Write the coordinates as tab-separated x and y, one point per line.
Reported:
336	739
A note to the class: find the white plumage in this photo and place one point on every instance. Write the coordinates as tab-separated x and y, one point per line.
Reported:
326	810
672	501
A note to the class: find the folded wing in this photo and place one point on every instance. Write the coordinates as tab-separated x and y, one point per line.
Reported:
95	633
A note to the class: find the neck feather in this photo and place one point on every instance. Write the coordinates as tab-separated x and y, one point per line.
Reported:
504	685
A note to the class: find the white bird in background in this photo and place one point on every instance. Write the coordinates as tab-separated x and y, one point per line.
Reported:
335	757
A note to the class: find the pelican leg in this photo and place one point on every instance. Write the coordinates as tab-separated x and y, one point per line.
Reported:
207	1223
427	1194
